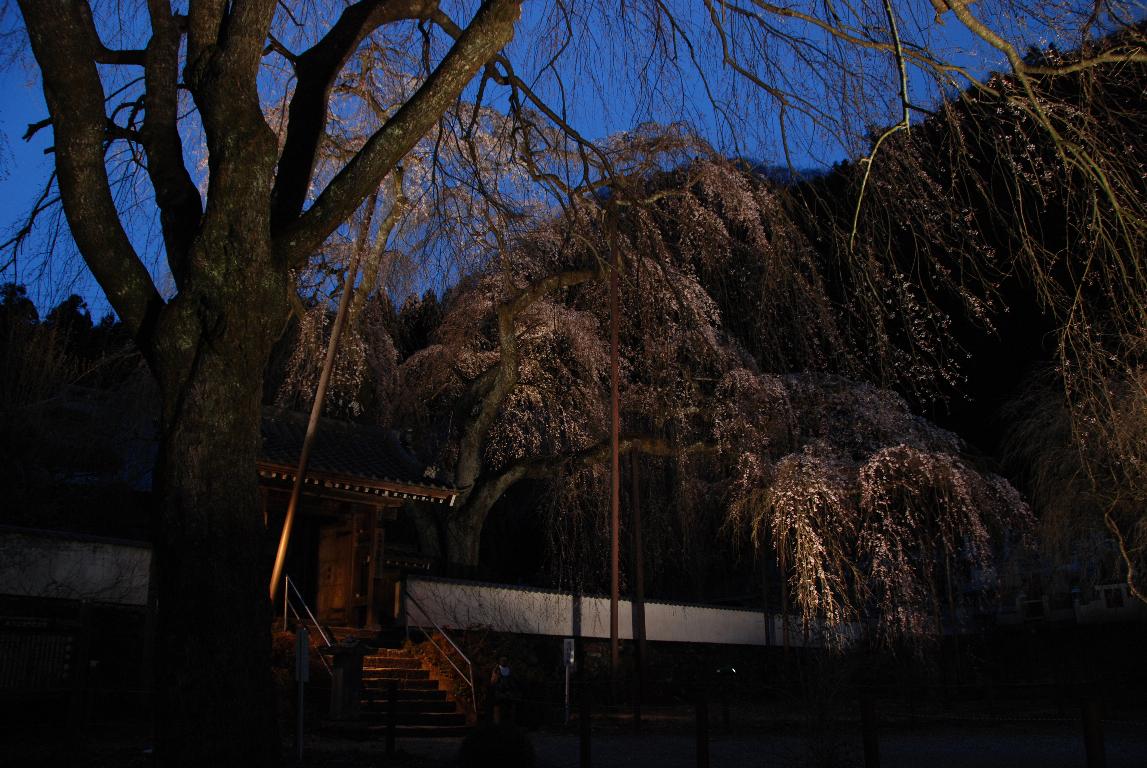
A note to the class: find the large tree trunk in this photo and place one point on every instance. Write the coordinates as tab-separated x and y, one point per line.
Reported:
464	539
464	523
214	685
214	689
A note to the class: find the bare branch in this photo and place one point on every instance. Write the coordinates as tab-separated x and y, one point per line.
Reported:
229	36
204	19
492	388
64	42
34	128
43	202
491	28
483	496
316	70
276	46
109	56
180	208
373	266
646	445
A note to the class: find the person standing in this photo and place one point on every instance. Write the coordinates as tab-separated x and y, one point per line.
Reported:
502	690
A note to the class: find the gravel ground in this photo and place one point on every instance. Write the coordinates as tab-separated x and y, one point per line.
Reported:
1032	744
1038	745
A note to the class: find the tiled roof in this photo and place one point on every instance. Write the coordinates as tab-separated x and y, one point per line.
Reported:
342	448
103	438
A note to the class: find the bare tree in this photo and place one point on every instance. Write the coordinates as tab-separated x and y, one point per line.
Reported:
230	260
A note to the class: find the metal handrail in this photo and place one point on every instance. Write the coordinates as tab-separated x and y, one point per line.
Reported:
288	587
467	676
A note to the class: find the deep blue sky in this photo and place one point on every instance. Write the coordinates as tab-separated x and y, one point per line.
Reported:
24	168
614	106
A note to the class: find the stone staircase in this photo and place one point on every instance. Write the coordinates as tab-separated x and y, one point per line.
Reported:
422	707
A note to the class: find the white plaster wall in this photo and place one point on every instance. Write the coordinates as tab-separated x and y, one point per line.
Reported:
48	565
468	605
1097	610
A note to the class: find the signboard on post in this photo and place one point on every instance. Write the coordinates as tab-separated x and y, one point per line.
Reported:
569	658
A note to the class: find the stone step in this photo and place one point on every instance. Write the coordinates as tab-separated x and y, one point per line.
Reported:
342	633
422	708
423	695
363	730
381	682
395	662
395	674
415	718
373	706
421	731
391	653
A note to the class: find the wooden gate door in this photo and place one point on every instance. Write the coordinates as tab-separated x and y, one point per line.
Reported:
336	553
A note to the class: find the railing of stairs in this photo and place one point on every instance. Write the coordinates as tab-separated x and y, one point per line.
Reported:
468	675
289	590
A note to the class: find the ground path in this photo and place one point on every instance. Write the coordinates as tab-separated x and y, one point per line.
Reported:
1036	743
1048	744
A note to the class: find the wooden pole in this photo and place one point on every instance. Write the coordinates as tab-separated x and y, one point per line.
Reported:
313	422
614	482
638	614
785	608
766	558
584	720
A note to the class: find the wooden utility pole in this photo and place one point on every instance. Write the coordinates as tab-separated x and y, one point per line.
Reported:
766	563
313	422
614	478
784	608
638	613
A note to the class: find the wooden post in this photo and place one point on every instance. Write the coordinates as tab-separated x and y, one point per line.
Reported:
313	423
374	568
765	592
785	611
638	608
584	716
614	481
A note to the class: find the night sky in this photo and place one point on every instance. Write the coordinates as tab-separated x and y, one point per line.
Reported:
594	112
